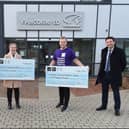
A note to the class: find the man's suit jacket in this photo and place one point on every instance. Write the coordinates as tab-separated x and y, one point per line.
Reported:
117	66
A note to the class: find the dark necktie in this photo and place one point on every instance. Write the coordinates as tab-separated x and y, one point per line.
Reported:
107	66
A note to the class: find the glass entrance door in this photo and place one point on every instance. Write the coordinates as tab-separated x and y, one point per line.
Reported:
84	50
41	52
33	53
46	51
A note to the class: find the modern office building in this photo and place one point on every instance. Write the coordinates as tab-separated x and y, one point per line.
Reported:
36	25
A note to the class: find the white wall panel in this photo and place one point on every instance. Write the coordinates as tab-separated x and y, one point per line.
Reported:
68	8
50	8
120	1
10	20
103	20
100	44
89	25
32	8
120	21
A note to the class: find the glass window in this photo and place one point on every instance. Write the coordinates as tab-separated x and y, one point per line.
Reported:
124	44
127	48
84	51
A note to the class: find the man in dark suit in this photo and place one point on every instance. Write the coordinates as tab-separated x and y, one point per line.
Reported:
113	62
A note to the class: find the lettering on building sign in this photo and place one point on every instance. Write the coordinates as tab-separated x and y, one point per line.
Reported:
49	21
39	22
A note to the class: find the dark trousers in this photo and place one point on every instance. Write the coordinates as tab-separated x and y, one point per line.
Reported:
64	94
115	89
9	95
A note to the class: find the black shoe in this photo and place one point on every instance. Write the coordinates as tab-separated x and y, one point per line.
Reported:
63	108
117	112
9	107
100	108
58	105
18	106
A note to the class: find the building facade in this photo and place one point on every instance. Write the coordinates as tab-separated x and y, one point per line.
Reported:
100	18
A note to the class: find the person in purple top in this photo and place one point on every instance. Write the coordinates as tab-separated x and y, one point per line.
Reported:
64	56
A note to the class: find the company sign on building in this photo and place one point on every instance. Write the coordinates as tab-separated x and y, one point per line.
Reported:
49	21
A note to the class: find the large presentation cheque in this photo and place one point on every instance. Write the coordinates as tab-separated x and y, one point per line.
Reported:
67	76
17	69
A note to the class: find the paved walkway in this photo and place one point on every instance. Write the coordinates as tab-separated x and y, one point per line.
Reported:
41	113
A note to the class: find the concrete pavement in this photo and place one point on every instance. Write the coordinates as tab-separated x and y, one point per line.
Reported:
41	113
